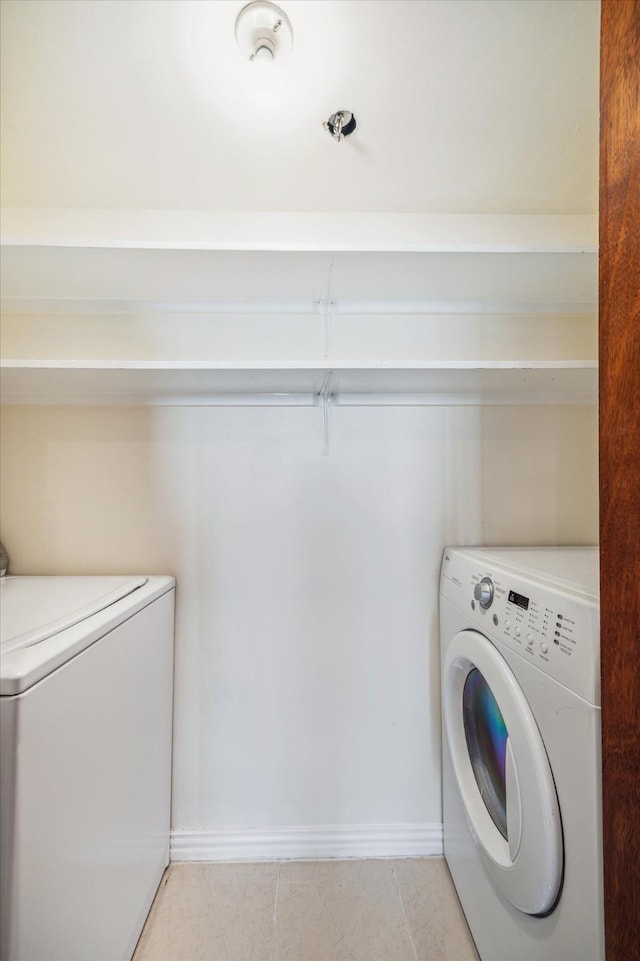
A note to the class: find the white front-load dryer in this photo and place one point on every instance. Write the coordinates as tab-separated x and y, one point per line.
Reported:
521	749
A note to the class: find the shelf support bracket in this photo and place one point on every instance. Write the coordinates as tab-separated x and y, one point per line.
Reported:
325	309
325	399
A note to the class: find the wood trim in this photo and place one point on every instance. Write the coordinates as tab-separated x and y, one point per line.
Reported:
620	470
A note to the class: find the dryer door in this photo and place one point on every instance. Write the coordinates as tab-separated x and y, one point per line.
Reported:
503	774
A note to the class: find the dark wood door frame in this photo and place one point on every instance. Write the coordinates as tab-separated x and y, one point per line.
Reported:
620	471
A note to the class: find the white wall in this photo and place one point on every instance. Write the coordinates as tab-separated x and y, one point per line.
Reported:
462	107
307	634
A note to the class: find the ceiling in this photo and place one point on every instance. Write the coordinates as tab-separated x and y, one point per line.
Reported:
463	106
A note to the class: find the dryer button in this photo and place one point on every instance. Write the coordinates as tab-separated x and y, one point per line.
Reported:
544	648
517	632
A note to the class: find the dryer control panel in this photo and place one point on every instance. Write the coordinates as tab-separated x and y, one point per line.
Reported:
548	622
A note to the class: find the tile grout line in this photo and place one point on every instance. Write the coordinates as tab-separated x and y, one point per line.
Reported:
275	904
404	914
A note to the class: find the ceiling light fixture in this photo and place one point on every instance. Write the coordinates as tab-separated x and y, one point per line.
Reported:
263	31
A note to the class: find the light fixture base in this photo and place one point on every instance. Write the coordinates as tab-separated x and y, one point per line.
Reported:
263	31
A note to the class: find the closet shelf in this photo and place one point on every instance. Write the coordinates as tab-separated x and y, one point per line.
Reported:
204	383
290	232
268	289
141	260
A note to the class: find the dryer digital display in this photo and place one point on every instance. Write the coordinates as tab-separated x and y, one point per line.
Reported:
519	600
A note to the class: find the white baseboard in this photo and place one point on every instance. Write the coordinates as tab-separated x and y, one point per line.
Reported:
308	843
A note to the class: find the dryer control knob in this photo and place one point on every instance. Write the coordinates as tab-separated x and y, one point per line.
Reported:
483	592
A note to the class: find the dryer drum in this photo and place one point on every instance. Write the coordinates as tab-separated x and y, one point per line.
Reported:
487	737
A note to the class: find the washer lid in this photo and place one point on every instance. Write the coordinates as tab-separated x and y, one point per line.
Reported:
35	608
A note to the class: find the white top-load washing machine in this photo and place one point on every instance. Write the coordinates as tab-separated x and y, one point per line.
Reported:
521	749
86	680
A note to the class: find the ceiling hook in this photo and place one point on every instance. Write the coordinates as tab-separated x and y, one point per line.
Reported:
340	124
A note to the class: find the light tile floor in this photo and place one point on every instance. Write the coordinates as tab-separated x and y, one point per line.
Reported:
377	910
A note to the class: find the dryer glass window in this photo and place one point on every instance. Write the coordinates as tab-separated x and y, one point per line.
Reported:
486	735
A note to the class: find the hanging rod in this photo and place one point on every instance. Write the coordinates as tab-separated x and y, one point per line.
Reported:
325	307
